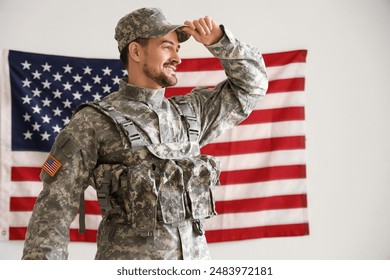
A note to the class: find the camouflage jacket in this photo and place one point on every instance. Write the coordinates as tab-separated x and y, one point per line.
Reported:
91	139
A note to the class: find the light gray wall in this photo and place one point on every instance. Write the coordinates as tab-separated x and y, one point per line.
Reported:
348	97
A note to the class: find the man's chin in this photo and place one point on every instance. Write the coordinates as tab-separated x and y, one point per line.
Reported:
170	82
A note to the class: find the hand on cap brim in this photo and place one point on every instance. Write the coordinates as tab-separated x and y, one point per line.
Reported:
204	30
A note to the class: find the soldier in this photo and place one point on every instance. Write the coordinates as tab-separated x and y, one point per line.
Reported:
141	151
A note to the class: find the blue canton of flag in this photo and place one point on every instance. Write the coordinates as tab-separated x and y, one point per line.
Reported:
47	88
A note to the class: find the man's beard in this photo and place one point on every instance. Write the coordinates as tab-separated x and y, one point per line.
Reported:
160	78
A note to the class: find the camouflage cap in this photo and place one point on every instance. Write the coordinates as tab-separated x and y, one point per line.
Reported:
145	23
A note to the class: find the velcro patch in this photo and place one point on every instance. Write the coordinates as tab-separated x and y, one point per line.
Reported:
51	165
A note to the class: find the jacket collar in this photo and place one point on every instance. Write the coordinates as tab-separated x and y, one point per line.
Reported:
152	97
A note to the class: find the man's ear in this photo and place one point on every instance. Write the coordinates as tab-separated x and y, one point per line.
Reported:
135	51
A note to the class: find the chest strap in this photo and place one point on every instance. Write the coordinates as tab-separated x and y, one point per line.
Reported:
127	126
188	114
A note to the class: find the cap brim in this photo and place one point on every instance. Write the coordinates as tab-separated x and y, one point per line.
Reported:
181	35
166	29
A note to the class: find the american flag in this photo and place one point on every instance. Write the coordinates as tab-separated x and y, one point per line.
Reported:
263	178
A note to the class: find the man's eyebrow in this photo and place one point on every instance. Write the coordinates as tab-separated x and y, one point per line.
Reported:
169	42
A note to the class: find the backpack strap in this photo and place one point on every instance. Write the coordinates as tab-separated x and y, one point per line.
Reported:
188	114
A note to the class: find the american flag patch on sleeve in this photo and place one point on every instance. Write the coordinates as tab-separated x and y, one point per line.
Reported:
51	165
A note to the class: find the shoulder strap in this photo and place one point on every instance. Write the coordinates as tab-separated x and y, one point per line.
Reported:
125	126
188	114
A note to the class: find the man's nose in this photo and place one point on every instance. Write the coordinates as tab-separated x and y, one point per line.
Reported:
176	58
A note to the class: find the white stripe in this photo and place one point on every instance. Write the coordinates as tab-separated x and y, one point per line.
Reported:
292	70
19	218
282	100
263	131
212	78
28	159
91	222
28	189
260	189
260	160
256	219
199	78
90	194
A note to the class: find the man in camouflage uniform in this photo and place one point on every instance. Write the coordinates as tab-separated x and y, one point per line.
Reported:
141	151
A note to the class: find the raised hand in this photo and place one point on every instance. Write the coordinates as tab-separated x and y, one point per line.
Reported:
204	30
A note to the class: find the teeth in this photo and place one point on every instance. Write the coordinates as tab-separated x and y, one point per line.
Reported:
170	69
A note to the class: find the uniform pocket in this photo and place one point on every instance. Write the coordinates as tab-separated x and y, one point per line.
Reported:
171	194
141	203
201	176
107	181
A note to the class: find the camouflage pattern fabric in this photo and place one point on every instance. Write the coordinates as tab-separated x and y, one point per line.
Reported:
145	23
91	139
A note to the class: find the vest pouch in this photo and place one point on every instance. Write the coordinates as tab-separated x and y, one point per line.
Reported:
116	171
171	194
141	201
201	174
107	181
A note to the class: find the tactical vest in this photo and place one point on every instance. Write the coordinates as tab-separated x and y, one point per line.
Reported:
152	183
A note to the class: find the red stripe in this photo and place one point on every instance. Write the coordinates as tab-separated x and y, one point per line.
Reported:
284	58
262	203
25	173
257	232
199	64
22	203
17	233
173	91
88	236
272	59
275	86
286	85
254	146
92	207
275	115
262	174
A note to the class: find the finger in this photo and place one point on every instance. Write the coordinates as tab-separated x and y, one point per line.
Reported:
189	31
199	27
190	24
209	22
205	26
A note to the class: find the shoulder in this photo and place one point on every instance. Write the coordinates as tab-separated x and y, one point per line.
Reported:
89	121
88	113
